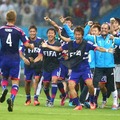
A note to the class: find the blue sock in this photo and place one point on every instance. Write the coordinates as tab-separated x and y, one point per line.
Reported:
54	91
104	96
35	97
76	101
92	98
28	97
61	88
46	90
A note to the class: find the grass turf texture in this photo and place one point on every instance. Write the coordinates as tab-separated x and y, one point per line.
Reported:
21	112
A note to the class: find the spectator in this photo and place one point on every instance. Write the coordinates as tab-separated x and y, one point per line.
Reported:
40	11
79	10
18	7
27	15
66	8
51	4
56	12
6	6
114	2
94	8
105	7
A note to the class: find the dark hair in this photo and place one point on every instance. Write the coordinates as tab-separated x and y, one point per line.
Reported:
69	19
96	25
52	29
117	19
33	27
79	29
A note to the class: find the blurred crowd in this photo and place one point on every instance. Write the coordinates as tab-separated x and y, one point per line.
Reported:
33	11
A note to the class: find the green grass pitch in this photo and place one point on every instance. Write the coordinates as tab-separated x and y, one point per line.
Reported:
21	112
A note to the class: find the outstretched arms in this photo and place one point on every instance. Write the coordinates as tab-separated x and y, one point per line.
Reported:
56	48
110	50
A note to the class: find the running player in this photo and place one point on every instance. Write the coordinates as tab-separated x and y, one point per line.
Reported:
10	36
32	69
78	62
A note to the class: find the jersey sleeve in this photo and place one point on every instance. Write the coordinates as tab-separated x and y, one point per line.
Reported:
23	37
69	31
21	48
91	46
64	46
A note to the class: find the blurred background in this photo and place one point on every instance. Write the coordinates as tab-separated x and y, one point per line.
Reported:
33	11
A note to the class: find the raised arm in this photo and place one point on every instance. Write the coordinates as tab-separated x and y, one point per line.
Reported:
68	30
87	36
53	23
62	37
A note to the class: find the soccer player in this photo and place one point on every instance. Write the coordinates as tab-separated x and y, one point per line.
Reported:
64	69
105	62
32	69
78	62
93	29
51	68
10	36
115	31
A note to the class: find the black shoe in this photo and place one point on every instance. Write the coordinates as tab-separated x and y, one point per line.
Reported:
60	96
2	99
10	104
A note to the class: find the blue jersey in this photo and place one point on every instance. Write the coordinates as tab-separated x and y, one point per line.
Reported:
51	57
32	52
10	37
89	46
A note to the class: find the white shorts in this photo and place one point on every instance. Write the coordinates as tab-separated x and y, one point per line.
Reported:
117	73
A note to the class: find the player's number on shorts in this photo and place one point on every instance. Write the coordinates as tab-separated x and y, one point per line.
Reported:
9	40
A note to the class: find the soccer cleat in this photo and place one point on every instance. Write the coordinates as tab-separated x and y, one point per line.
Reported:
82	104
103	104
87	104
36	103
92	106
114	107
27	102
62	102
71	104
78	107
50	104
2	98
47	102
60	96
10	104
